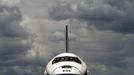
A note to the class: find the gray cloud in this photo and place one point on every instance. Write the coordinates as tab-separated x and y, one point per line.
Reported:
103	14
15	41
101	30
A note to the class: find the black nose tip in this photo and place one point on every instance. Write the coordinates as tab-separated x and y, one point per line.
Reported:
66	66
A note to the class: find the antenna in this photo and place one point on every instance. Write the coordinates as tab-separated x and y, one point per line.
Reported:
67	45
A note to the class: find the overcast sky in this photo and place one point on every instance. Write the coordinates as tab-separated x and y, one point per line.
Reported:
101	32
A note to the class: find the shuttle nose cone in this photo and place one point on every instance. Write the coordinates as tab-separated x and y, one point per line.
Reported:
66	70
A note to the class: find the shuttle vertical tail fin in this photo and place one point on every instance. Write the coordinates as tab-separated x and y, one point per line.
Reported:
67	41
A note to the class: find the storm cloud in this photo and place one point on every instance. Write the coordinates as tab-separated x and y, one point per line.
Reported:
101	32
15	40
103	14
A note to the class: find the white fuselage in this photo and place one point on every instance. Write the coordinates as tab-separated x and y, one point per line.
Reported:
66	64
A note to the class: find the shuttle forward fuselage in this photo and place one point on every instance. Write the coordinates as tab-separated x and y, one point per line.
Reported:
66	64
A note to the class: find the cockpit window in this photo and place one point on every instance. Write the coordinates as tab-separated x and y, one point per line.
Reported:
66	58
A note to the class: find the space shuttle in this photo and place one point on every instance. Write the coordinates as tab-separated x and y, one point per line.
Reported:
66	63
